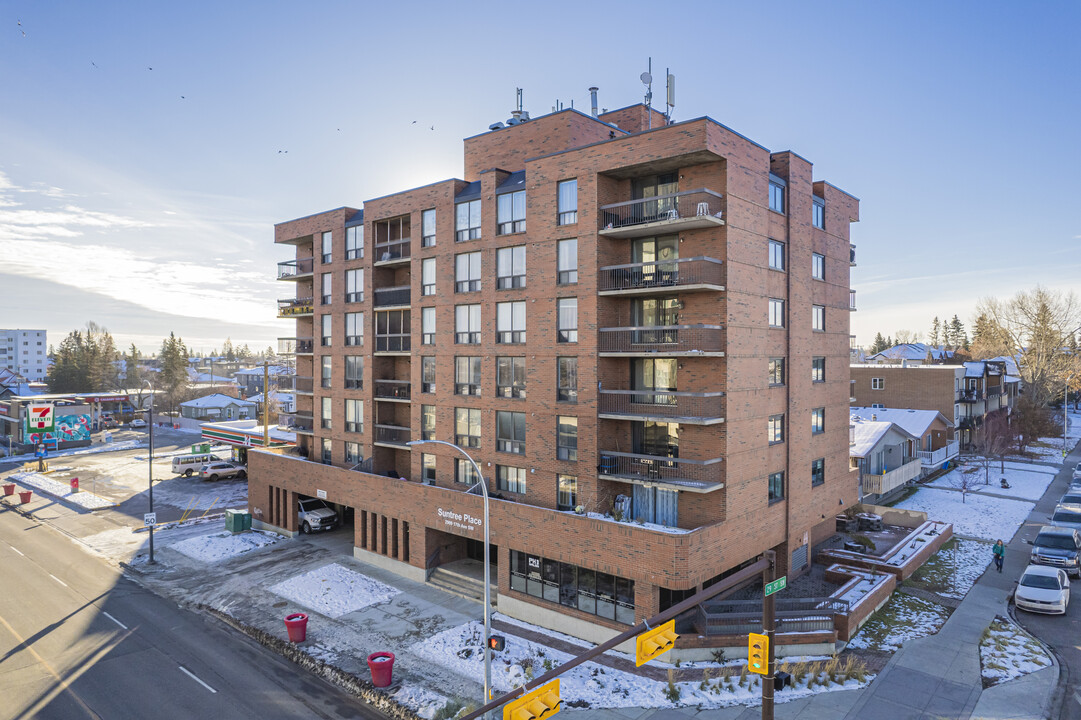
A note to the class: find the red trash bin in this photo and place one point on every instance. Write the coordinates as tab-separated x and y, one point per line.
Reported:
9	488
24	495
297	626
382	666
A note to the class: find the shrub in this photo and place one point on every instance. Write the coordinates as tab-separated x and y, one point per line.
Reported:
448	711
718	656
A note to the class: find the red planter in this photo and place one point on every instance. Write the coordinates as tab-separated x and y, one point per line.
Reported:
24	496
297	627
9	488
382	666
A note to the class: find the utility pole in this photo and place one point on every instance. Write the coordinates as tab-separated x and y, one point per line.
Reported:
768	576
266	404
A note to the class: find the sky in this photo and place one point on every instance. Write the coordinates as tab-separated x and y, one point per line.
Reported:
147	149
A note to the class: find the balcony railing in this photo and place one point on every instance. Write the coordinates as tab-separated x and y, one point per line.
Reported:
392	435
392	343
969	395
392	389
687	210
303	384
934	458
686	407
698	273
704	340
292	269
393	251
689	475
295	346
298	422
881	484
851	299
394	296
295	307
852	255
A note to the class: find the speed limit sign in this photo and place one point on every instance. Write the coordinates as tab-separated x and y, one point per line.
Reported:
150	519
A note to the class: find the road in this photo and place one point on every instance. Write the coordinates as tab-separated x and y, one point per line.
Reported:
79	640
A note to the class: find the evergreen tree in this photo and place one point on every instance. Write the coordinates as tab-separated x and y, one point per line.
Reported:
936	329
173	378
227	350
66	375
132	374
957	332
879	344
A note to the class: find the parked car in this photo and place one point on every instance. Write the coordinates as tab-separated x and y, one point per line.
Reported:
1072	496
1057	547
316	515
137	423
220	470
109	423
1067	516
1077	472
191	463
1043	589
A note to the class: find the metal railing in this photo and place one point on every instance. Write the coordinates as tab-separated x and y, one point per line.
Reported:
662	274
289	269
394	250
883	483
392	389
392	434
937	457
969	395
303	384
656	403
392	342
851	299
385	297
291	307
298	422
702	474
674	206
295	346
792	615
661	339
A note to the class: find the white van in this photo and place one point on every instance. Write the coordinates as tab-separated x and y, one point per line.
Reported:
188	465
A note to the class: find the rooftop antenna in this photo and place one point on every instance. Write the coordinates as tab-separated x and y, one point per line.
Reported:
647	80
671	99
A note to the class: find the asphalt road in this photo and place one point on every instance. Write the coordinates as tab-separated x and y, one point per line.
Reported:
79	640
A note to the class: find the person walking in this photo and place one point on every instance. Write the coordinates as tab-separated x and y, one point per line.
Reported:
999	551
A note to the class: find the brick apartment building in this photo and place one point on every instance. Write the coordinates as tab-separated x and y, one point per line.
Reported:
666	342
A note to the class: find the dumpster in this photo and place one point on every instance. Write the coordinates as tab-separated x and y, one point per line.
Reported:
200	448
382	666
297	627
24	496
234	521
9	488
246	518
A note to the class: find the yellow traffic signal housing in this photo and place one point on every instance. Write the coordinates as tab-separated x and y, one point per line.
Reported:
538	704
655	642
758	653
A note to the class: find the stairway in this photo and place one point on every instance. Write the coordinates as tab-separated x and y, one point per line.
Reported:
463	584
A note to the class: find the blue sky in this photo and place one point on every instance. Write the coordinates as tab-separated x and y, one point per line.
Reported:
143	146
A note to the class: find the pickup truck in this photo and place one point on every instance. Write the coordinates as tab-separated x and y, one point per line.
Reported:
315	515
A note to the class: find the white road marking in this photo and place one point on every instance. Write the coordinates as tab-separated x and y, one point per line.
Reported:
16	550
58	580
114	620
192	676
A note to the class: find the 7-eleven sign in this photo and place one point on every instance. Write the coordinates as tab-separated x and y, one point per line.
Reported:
39	418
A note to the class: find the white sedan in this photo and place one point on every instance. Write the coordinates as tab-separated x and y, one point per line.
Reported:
1043	589
137	423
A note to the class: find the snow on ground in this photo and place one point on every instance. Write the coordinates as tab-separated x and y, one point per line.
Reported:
902	619
979	516
1007	652
1027	482
953	570
202	494
334	590
92	450
60	490
224	545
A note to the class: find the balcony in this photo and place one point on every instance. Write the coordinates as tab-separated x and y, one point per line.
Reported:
691	408
852	255
669	340
298	422
392	344
303	385
676	212
392	297
295	346
970	422
932	459
852	300
295	307
891	480
699	476
392	390
296	269
684	275
392	253
969	395
392	436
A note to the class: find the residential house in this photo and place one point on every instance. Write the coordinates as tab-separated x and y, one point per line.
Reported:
936	443
885	454
218	407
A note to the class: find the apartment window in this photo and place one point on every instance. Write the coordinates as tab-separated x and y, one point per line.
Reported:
467	324
818	421
510	322
325	322
326	455
354	416
354	286
567	202
464	472
566	492
818	472
567	438
467	272
354	329
354	242
354	372
467	376
392	331
427	468
352	454
776	371
326	298
818	369
427	276
427	228
324	414
467	427
510	212
818	212
427	374
467	221
427	422
818	317
567	251
326	247
567	379
776	194
878	383
427	326
510	479
568	320
510	377
776	429
776	486
776	255
818	266
776	313
510	267
325	371
510	432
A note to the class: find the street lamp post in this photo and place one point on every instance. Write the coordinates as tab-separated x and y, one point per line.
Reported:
1065	410
150	466
487	566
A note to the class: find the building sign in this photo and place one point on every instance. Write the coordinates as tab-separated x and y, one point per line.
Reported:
321	494
461	521
40	419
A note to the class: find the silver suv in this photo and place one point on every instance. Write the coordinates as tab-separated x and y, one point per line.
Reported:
220	470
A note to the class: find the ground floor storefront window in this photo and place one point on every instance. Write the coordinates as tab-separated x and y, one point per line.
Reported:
587	590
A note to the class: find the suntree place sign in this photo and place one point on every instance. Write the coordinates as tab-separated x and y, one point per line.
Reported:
462	521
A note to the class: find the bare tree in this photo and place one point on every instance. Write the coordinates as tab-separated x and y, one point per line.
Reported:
905	337
963	480
998	437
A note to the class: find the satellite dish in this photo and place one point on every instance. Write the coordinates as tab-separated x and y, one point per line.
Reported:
646	78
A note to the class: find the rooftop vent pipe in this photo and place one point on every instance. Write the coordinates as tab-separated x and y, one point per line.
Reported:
593	99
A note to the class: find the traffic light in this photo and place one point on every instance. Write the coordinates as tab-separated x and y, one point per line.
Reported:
758	653
655	642
496	642
538	704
